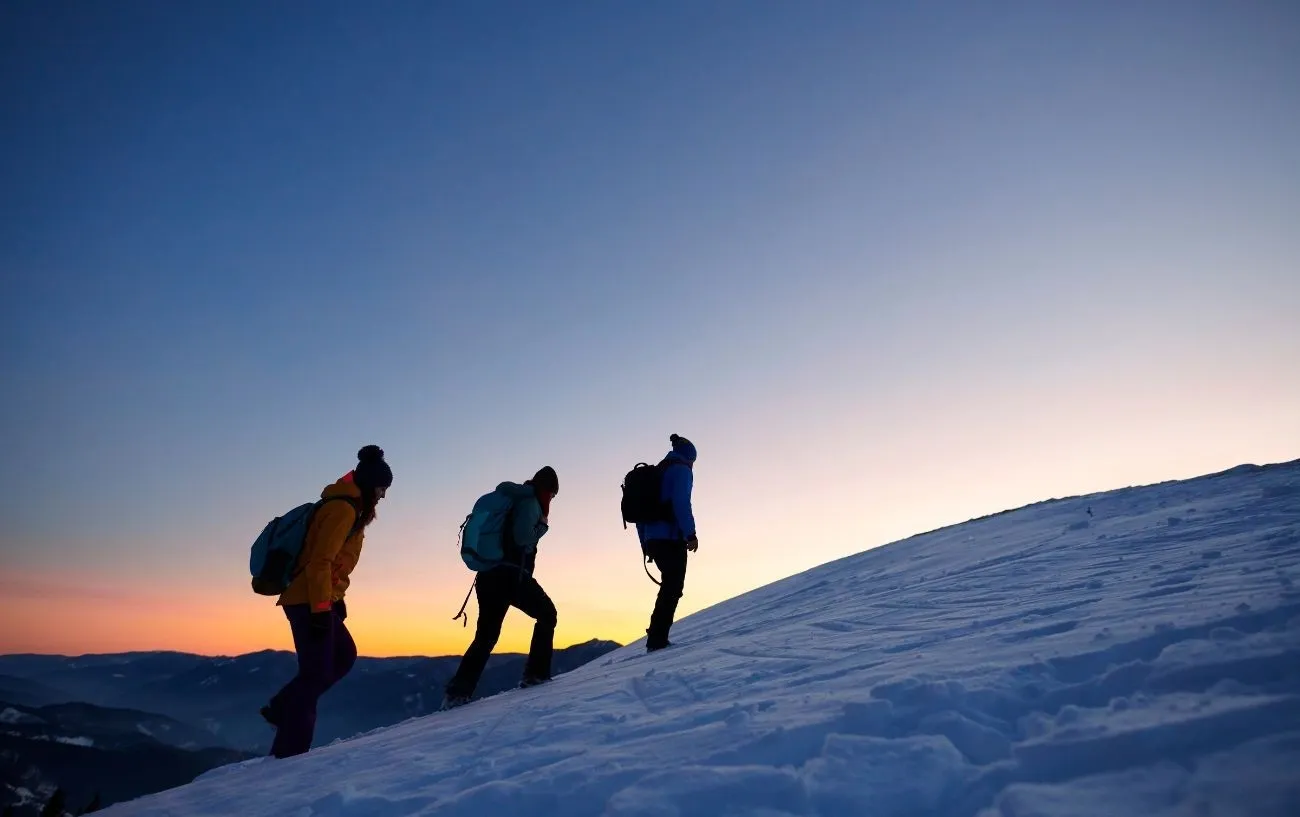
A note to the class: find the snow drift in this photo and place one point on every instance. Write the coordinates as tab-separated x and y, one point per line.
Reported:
1129	653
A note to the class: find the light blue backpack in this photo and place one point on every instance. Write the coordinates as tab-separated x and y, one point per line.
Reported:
273	559
482	534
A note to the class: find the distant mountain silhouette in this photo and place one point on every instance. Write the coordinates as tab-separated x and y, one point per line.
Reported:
129	724
88	750
29	693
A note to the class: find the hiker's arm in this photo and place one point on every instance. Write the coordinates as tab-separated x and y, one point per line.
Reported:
681	480
329	530
529	526
347	560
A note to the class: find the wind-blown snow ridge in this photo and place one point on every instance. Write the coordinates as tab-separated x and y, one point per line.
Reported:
1129	653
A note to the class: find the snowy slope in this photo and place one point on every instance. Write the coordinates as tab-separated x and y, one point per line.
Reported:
1141	660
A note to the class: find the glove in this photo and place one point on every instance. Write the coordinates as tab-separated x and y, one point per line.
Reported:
693	543
341	609
320	624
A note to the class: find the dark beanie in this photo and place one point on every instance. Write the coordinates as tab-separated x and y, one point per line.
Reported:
546	480
683	447
371	470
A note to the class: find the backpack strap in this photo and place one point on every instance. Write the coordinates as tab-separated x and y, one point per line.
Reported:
510	553
670	513
645	563
356	525
465	604
351	500
356	506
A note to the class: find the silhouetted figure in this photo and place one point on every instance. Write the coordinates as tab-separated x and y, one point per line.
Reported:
313	601
665	542
499	542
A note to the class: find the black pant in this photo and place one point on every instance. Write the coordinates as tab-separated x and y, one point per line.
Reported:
323	660
498	590
670	556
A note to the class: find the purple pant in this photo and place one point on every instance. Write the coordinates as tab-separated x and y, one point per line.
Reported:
323	660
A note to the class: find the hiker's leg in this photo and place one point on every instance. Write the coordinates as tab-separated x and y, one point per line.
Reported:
297	701
290	691
493	589
670	557
345	654
531	599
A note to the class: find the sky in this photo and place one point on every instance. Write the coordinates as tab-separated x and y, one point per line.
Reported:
890	268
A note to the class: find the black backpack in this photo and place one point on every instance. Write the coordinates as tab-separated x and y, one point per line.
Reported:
642	492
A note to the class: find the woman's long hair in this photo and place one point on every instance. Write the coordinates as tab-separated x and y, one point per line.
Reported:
369	507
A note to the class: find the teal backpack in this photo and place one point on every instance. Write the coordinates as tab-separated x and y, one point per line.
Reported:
482	534
273	560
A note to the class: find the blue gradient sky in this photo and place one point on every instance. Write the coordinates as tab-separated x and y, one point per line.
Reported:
889	267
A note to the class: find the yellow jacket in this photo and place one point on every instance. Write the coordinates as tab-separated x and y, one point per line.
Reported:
330	551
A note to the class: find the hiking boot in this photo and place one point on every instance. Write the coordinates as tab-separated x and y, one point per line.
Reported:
450	701
532	682
657	645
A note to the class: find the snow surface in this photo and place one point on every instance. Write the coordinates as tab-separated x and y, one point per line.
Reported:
75	741
22	794
71	741
11	715
1141	659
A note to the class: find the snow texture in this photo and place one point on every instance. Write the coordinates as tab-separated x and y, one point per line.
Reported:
11	715
77	741
1080	656
22	795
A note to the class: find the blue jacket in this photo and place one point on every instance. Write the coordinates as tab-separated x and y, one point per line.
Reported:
678	482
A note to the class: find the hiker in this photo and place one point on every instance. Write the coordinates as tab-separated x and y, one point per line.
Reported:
313	601
666	541
503	555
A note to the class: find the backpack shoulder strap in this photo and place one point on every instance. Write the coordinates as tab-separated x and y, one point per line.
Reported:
356	506
508	546
351	500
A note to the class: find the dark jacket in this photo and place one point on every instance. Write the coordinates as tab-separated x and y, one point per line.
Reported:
527	525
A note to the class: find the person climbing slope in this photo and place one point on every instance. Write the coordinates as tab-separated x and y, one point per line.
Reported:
667	533
499	542
314	600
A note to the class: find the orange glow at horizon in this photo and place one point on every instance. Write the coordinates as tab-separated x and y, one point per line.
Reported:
405	592
50	617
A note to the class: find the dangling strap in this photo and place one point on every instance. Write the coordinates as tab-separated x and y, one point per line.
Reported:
465	604
645	564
